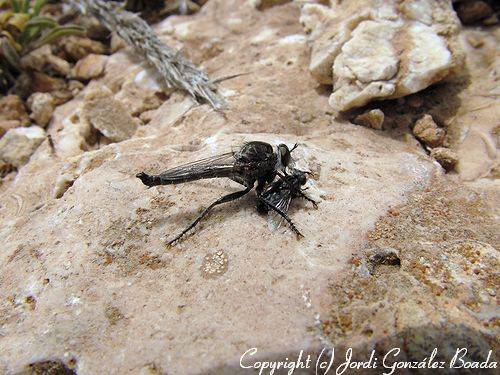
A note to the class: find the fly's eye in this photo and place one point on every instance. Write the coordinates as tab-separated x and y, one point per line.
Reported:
285	154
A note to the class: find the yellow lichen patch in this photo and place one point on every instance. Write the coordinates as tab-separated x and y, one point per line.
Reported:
214	264
444	241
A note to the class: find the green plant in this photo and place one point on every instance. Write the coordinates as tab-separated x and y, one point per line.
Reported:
22	30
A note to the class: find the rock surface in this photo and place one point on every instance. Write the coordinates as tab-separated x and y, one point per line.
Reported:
108	115
6	125
475	125
89	67
41	106
373	119
375	49
17	145
42	59
428	132
446	157
76	47
12	109
398	254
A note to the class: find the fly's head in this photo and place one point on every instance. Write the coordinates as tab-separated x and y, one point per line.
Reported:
285	156
300	176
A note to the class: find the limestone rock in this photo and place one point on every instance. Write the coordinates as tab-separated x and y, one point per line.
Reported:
6	125
138	99
12	109
376	49
41	82
428	132
95	30
89	67
75	87
108	115
77	47
42	59
116	43
88	284
373	119
17	145
41	106
475	40
446	157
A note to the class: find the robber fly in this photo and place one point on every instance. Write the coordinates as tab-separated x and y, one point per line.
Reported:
254	162
278	196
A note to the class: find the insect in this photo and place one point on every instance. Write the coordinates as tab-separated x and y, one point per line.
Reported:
254	162
278	196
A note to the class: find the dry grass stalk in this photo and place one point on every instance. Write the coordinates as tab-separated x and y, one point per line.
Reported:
177	71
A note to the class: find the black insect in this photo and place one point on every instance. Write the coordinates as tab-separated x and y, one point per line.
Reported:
278	196
253	162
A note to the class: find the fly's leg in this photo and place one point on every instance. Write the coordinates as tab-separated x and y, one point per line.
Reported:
283	215
224	199
261	184
314	203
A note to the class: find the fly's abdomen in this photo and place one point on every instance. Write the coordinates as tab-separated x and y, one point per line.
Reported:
168	178
147	179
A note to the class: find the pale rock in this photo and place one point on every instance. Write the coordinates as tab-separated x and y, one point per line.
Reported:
41	106
75	87
77	47
91	66
428	60
74	137
17	145
475	126
94	29
108	115
373	119
329	35
41	82
12	108
369	55
42	59
427	131
84	239
445	156
116	43
475	40
380	50
6	125
137	98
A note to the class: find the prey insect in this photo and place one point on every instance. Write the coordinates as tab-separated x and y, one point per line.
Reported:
255	162
278	196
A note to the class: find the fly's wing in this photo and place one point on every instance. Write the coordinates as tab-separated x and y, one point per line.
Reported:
281	199
214	166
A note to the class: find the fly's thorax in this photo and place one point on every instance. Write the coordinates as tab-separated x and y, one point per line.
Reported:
255	151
